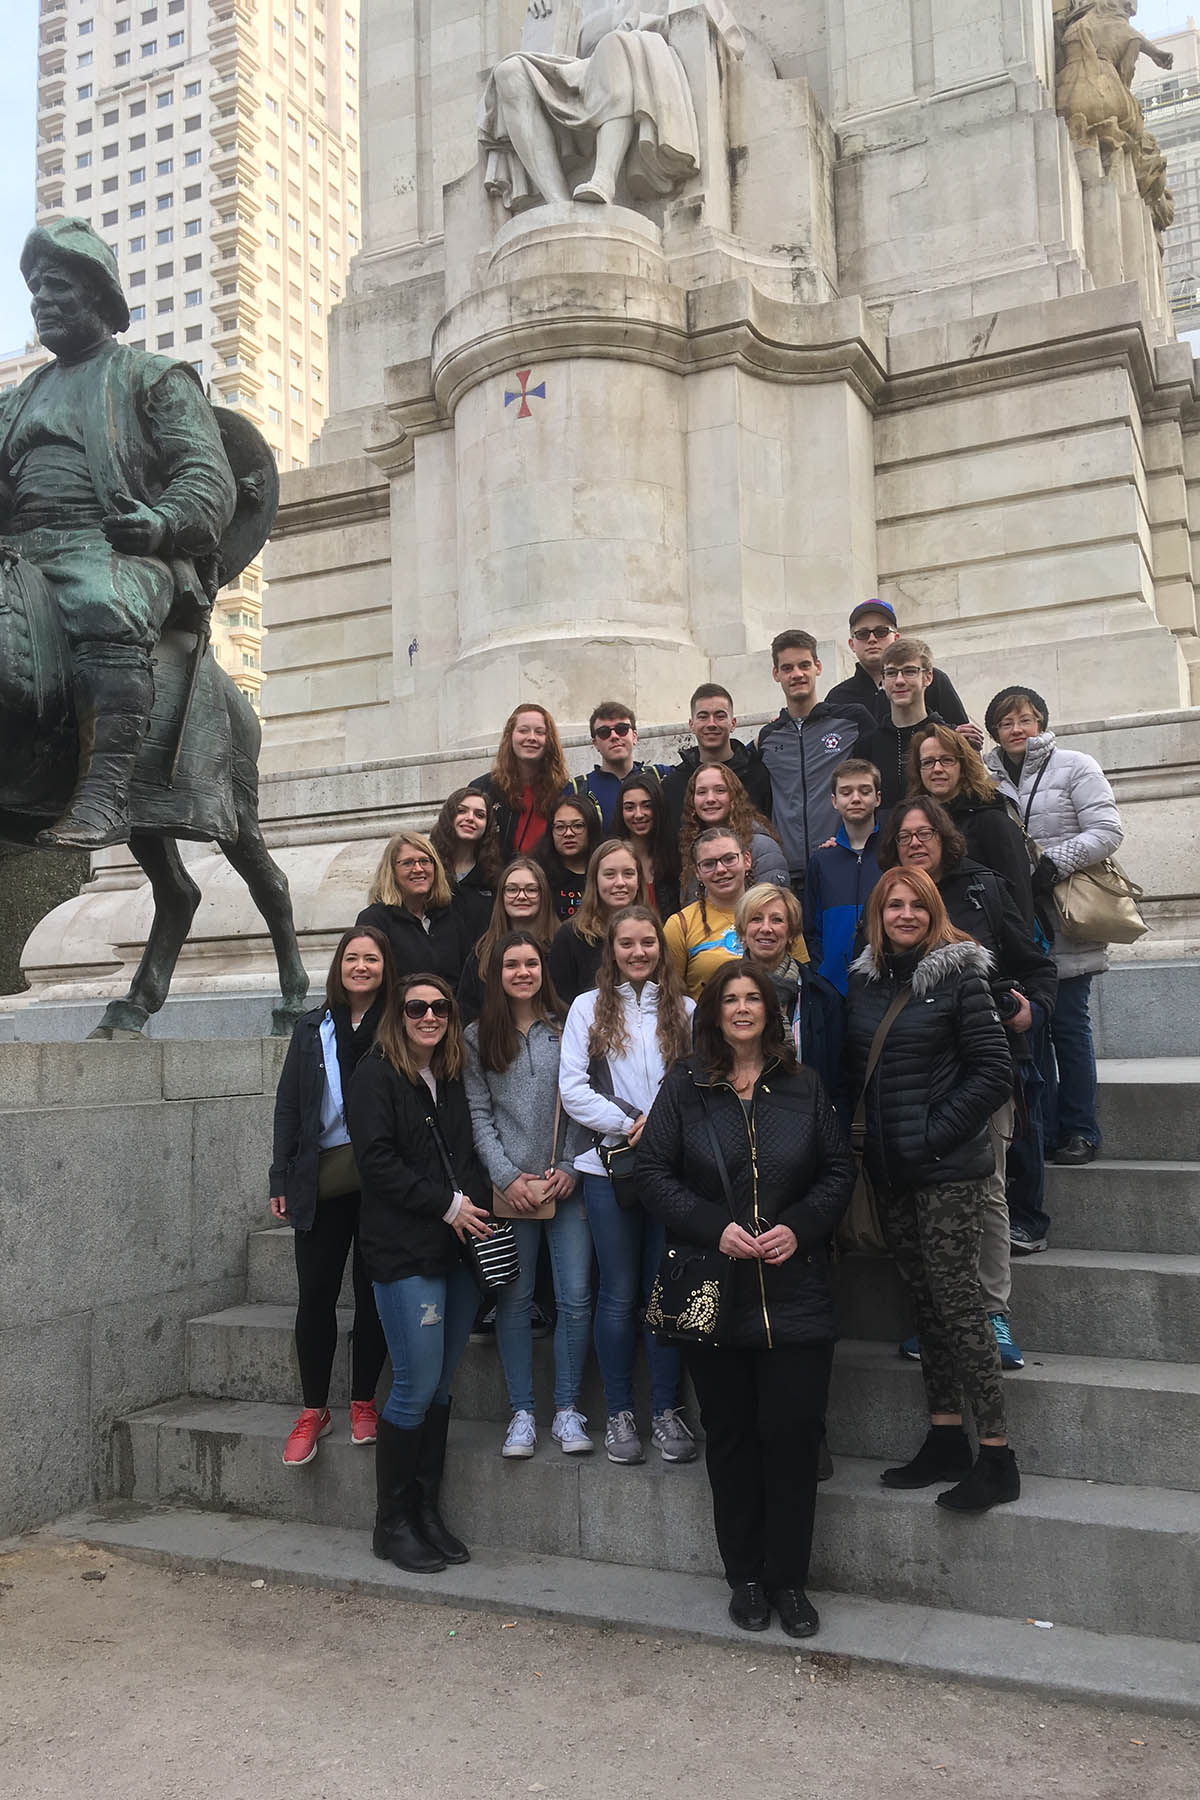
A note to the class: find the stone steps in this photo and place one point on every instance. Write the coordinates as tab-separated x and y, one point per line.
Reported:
1076	1552
1108	1205
1062	1663
1089	1418
1147	1107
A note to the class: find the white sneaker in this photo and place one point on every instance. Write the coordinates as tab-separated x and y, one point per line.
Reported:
521	1438
568	1431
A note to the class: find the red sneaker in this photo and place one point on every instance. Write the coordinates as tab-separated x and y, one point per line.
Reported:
301	1447
364	1421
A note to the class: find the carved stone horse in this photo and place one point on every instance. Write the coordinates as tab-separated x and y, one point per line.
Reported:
210	796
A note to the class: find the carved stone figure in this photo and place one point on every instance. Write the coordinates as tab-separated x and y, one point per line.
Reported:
1098	51
620	103
121	511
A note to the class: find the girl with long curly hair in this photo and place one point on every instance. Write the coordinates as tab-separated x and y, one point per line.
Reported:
715	796
526	778
619	1041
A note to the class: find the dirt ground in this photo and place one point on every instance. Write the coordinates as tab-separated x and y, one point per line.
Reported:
120	1679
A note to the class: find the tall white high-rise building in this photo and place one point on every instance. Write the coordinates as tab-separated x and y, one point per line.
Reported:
1171	102
215	145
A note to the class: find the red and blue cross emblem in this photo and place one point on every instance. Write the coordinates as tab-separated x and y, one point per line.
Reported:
526	394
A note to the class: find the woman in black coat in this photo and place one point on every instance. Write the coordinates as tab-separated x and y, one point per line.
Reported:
410	901
465	837
762	1386
315	1187
424	1192
943	765
941	1070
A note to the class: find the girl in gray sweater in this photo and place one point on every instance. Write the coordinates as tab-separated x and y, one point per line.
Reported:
520	1131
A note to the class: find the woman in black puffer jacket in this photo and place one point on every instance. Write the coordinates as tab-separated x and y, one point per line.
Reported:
762	1389
943	1069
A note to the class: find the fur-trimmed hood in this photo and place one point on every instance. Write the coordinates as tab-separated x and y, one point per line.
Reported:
945	963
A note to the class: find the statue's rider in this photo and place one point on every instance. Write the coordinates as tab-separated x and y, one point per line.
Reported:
115	485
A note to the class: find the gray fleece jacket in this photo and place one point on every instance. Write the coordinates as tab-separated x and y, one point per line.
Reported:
512	1115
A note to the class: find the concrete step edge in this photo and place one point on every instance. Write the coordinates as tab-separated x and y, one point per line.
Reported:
1063	1662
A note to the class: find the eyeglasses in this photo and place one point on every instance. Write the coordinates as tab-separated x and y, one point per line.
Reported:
938	762
622	728
711	864
569	826
926	835
413	862
417	1009
865	634
520	893
910	671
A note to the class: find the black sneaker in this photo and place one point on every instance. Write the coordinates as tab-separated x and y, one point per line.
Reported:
749	1607
798	1617
1023	1243
1075	1152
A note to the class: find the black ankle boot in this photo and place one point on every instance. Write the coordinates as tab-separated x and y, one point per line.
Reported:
944	1456
396	1537
431	1460
994	1479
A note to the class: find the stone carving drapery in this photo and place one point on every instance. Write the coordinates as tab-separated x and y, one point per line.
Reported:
1097	55
621	103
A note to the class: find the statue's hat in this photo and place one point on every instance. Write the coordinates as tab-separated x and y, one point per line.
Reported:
74	241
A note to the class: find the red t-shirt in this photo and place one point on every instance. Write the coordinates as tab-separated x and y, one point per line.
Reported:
531	826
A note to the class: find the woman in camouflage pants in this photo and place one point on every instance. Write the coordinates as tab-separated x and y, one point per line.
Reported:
942	1069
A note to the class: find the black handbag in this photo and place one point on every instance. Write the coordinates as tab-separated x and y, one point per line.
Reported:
493	1260
691	1290
620	1160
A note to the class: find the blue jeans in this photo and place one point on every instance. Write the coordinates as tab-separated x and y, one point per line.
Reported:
1025	1170
426	1320
1068	1066
629	1245
569	1243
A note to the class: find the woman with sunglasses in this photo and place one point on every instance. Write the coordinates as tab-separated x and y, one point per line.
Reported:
614	881
466	839
528	775
315	1187
705	934
566	850
424	1193
618	1042
642	823
522	903
521	1135
410	902
714	796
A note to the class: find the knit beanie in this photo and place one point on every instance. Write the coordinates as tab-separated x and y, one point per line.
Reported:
1005	700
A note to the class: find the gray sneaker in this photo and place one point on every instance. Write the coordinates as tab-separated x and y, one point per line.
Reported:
622	1441
672	1436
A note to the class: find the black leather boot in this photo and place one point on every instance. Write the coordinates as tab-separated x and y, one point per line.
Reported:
431	1460
944	1456
994	1479
114	691
397	1538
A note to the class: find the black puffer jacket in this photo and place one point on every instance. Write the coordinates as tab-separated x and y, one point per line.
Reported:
405	1190
944	1070
995	839
981	903
788	1164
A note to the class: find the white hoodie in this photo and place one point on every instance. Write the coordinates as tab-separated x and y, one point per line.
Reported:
636	1073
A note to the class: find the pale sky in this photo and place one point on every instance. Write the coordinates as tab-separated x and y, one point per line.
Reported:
18	101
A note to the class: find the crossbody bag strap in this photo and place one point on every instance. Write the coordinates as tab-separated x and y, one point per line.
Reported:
600	1076
1037	782
443	1152
898	1003
715	1144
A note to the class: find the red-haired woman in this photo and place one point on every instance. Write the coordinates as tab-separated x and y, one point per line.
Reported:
942	1070
525	780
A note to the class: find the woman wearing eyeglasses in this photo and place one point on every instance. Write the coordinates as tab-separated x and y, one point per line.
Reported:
466	839
410	902
705	934
715	796
424	1192
614	880
522	903
566	850
943	765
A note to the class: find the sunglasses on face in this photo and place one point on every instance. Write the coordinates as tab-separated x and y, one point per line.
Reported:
868	633
417	1009
622	728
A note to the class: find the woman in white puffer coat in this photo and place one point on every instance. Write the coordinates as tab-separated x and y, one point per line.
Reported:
1066	804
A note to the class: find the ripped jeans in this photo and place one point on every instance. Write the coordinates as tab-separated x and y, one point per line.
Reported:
427	1320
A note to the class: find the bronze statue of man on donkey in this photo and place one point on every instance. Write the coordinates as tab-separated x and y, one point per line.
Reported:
126	500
